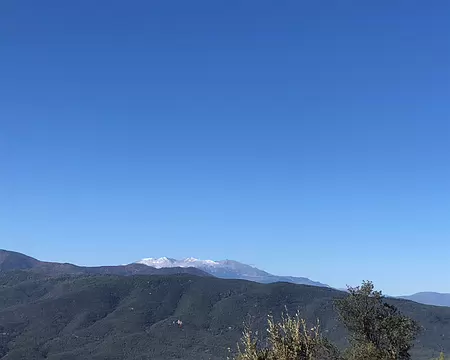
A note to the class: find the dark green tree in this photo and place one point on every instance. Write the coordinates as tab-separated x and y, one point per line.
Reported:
375	325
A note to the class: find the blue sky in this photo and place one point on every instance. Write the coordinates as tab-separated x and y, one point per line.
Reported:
307	138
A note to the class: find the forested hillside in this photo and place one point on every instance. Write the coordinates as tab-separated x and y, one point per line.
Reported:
117	317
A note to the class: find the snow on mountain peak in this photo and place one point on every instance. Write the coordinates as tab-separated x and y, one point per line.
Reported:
168	262
227	269
158	263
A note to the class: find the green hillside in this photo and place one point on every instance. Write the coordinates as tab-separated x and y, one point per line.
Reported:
115	317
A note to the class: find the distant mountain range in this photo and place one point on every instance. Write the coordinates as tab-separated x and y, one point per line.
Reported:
429	298
10	260
227	269
230	269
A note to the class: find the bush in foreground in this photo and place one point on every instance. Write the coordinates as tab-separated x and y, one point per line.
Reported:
378	331
288	339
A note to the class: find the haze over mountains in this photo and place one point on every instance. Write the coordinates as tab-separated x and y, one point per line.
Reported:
227	269
429	298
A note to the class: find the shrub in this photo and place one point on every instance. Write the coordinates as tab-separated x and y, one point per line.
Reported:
288	339
377	332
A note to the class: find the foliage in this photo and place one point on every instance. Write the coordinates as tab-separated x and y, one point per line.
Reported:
288	339
378	331
362	351
376	325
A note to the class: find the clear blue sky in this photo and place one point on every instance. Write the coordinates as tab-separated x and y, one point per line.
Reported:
308	138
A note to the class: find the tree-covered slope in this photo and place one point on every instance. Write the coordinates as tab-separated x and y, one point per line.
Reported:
116	317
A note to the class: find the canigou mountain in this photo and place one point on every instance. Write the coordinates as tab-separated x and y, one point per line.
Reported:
227	269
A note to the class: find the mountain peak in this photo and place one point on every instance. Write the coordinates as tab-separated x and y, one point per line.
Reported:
228	269
162	262
165	262
11	260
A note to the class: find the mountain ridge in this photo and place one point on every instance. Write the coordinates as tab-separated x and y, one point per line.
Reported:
429	298
11	260
228	269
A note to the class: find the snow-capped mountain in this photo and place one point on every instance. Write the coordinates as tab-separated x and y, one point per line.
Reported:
165	262
227	269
